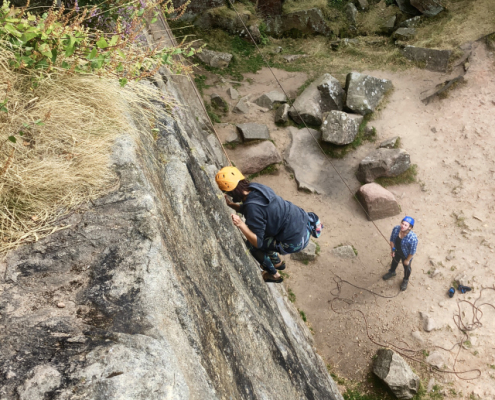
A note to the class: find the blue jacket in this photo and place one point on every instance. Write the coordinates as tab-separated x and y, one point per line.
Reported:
268	215
408	244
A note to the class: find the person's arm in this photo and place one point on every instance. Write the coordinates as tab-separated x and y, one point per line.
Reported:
231	204
392	246
414	245
250	235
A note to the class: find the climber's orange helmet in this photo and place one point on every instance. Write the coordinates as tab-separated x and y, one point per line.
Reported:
228	178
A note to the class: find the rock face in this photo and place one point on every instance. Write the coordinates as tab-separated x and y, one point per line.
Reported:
377	201
406	7
298	23
383	162
434	60
253	131
162	300
365	92
255	158
308	254
339	127
396	373
282	114
404	34
324	94
429	8
215	59
268	100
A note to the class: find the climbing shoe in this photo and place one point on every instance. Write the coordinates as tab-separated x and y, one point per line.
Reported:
463	289
282	266
388	275
403	285
269	278
451	292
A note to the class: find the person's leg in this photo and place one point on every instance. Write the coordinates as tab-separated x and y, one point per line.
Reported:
407	274
269	260
391	272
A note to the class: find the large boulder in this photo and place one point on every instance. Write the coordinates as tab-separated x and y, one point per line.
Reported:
215	59
383	162
365	92
299	23
312	170
429	8
268	100
388	25
406	7
377	201
396	373
224	18
253	131
339	127
255	158
310	105
332	94
433	59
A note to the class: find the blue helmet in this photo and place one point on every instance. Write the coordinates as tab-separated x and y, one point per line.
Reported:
410	220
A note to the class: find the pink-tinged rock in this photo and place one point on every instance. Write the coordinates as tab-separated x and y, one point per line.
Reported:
255	158
377	201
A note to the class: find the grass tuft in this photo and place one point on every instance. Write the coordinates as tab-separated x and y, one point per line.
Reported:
268	170
407	177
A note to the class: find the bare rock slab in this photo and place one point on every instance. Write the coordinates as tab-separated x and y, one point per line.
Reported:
340	128
351	13
268	100
307	254
383	162
310	105
389	25
365	92
429	8
253	131
233	93
396	373
255	158
312	170
282	114
434	60
241	107
345	252
377	201
215	59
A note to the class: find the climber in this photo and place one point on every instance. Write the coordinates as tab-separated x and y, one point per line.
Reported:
403	243
273	225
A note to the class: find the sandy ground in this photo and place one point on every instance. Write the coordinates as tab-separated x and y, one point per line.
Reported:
452	142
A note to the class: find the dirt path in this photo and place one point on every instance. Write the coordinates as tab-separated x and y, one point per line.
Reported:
452	143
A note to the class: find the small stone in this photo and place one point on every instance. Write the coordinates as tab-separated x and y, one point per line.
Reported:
389	143
241	107
294	57
253	131
307	254
215	59
61	305
404	34
377	201
429	323
234	94
417	335
268	100
434	130
218	102
344	252
436	359
282	114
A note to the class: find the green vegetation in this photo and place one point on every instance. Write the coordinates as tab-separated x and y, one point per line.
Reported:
303	315
213	116
291	295
200	81
268	170
318	248
407	177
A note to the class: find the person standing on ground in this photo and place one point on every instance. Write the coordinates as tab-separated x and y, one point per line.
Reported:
273	225
403	243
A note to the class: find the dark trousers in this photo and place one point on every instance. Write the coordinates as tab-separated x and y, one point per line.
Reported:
268	255
395	262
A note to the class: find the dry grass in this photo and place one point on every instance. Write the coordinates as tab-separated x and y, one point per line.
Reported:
61	163
370	22
463	21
